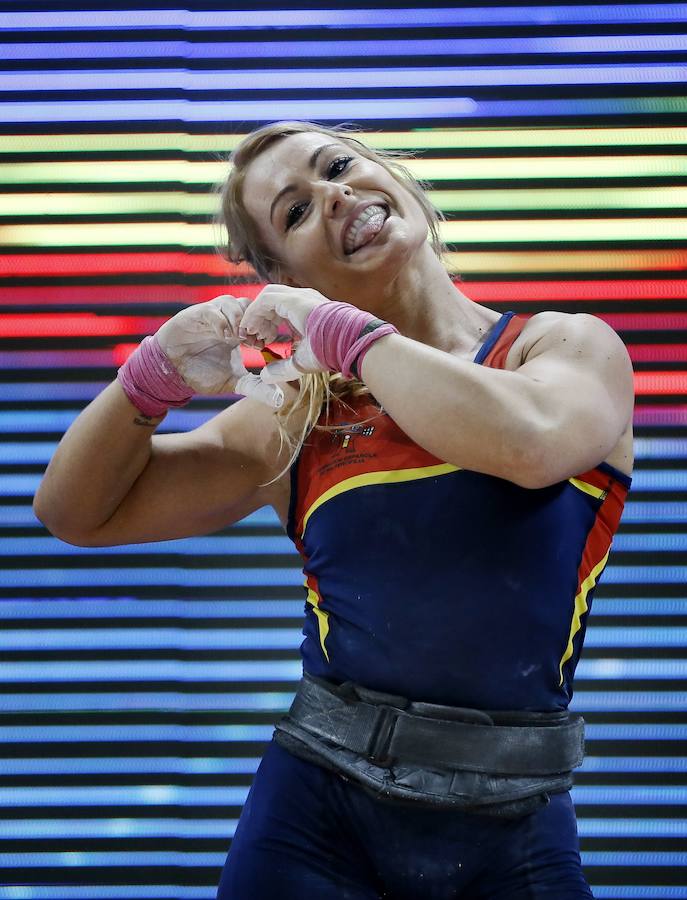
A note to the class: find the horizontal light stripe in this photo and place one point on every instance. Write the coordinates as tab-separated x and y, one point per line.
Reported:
632	732
646	636
351	48
195	702
642	892
651	543
130	733
634	764
640	606
494	262
197	547
423	139
103	892
142	80
83	859
157	171
610	669
357	109
482	231
612	828
115	828
185	671
160	638
344	18
628	794
165	577
171	202
106	765
630	701
646	574
629	858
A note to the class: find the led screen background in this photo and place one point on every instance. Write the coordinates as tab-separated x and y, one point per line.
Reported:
138	685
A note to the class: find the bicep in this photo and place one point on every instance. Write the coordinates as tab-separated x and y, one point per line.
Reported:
195	482
582	384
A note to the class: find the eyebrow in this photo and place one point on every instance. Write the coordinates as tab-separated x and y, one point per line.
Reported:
290	188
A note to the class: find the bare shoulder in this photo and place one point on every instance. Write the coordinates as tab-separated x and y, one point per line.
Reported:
569	334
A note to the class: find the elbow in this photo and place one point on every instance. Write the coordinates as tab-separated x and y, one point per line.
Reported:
60	527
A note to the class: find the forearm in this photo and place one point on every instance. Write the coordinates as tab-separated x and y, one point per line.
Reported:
465	414
95	465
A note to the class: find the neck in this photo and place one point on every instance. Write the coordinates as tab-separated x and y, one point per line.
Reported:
424	304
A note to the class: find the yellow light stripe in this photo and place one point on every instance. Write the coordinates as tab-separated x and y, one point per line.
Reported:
322	618
580	609
538	230
587	488
192	172
390	476
68	203
487	231
495	262
435	138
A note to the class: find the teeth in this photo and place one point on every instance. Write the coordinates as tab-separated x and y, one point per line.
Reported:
354	229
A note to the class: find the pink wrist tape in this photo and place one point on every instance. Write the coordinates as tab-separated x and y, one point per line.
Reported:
150	380
340	335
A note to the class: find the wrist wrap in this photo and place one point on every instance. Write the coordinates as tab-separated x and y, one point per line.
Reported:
150	380
340	335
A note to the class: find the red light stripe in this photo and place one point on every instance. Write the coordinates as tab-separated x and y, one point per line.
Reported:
658	353
104	295
76	325
660	383
20	265
645	321
660	415
576	291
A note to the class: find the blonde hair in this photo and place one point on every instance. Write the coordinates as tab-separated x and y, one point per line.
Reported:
241	242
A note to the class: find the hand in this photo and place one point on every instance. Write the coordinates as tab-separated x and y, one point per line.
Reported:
203	343
275	305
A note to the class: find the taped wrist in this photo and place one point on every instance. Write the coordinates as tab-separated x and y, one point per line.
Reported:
340	335
151	381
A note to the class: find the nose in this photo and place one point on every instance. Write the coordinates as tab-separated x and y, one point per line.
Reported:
336	197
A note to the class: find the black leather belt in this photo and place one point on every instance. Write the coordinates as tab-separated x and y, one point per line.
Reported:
389	730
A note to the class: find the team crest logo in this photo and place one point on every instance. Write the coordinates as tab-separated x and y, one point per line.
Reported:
343	438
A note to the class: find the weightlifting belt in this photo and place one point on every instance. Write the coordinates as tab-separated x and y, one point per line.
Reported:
495	763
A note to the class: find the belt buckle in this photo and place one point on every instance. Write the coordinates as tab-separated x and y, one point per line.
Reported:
382	733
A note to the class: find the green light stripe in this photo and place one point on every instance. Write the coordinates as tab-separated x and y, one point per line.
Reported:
429	139
181	203
156	171
483	231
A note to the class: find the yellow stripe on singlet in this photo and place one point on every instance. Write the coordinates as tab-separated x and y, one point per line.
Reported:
580	609
369	478
322	617
591	489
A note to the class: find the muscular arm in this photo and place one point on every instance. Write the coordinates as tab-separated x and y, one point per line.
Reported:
558	414
112	482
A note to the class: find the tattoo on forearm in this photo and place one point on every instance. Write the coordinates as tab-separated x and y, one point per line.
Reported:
146	421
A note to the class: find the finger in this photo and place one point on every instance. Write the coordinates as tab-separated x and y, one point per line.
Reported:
253	386
232	309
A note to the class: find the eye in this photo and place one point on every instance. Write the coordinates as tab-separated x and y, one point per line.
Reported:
338	165
294	214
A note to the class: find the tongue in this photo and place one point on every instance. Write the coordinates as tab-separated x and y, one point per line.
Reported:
371	228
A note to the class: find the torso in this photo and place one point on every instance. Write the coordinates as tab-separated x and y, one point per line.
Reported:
621	457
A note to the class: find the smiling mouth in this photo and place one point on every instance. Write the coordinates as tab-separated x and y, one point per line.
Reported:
365	227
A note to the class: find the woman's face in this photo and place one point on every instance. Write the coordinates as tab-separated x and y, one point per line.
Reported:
337	221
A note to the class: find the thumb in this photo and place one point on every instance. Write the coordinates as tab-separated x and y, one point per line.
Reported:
282	370
253	386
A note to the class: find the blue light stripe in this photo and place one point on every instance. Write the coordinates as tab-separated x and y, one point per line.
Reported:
140	701
642	892
665	828
632	732
355	109
640	606
124	607
164	577
36	829
603	636
322	79
660	448
632	858
645	575
634	764
104	892
131	733
122	795
202	546
25	421
235	765
15	452
620	669
345	17
88	49
650	542
629	701
654	512
81	859
153	638
182	671
623	794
